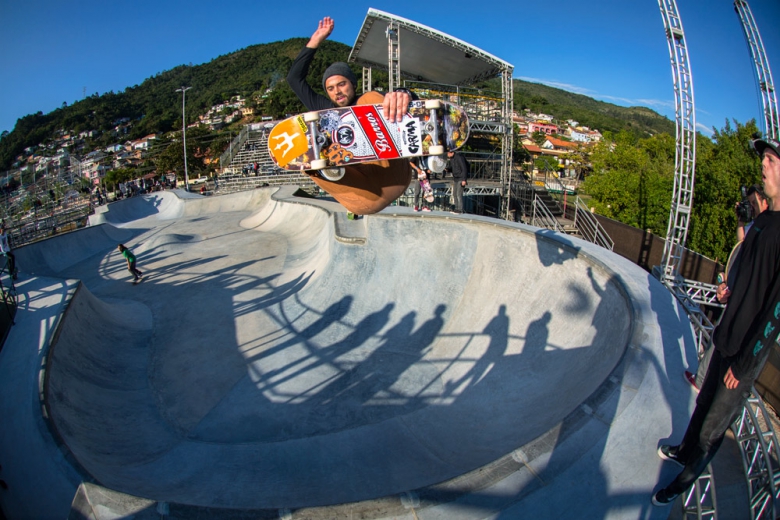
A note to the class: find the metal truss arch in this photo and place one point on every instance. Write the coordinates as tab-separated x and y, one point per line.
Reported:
438	65
759	448
763	73
685	153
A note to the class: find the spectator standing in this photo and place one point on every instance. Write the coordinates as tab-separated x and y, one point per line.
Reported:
5	248
742	340
130	257
758	204
420	173
460	173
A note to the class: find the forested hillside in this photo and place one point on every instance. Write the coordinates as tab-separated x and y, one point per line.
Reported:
605	117
155	106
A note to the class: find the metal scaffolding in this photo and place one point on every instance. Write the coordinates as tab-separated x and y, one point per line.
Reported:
437	65
763	73
685	153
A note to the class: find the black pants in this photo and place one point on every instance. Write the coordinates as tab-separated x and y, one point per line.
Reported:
136	273
11	262
417	190
457	196
716	409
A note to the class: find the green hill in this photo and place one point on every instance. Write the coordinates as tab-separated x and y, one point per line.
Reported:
155	107
588	111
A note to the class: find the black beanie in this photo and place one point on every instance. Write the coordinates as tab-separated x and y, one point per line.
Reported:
339	69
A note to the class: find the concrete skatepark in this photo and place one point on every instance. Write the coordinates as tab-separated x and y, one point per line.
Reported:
281	361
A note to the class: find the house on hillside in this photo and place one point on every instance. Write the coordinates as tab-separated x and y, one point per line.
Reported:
545	128
94	166
577	135
595	136
559	145
533	150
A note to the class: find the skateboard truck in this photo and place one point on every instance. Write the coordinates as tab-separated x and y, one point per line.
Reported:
331	174
433	105
311	119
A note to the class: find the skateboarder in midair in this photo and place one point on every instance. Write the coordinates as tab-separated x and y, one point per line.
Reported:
369	187
338	81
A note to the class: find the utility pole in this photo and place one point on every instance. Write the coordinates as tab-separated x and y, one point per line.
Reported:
184	89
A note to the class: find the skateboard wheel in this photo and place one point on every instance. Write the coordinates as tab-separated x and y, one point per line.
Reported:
333	174
318	164
436	150
432	104
311	116
436	163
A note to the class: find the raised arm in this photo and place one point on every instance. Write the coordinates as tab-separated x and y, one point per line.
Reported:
324	28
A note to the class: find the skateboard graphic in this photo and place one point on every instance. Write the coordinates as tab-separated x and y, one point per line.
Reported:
426	189
328	140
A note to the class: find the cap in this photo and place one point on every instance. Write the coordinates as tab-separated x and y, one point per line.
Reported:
760	146
339	69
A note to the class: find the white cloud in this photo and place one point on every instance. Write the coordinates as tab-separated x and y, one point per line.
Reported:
652	103
656	103
704	129
557	84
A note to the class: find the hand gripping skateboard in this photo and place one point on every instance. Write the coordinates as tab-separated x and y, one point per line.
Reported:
328	140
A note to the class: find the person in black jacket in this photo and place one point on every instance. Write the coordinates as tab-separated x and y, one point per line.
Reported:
368	187
460	172
338	81
742	340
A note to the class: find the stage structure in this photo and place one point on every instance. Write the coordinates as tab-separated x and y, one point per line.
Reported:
763	73
436	65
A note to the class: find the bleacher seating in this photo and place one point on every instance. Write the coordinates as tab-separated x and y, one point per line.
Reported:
240	174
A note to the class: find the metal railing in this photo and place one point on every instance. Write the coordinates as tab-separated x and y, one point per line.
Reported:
589	227
542	217
235	146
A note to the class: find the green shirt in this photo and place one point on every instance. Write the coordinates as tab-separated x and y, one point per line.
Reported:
127	254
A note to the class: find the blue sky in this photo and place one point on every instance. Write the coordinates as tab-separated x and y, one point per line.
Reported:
613	50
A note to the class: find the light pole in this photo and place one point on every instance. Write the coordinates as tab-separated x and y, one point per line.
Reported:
184	89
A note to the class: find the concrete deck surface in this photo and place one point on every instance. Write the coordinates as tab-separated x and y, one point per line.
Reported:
279	360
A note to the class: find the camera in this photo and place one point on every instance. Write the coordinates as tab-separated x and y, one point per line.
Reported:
744	209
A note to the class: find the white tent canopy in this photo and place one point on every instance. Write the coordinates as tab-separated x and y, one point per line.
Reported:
425	54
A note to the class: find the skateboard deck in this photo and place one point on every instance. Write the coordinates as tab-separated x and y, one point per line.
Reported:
426	189
732	263
338	137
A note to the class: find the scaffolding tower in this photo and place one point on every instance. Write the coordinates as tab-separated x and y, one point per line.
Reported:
437	65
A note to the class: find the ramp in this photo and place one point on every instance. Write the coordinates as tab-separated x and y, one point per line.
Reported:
270	362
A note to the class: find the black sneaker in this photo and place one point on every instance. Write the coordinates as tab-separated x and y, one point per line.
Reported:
667	452
664	497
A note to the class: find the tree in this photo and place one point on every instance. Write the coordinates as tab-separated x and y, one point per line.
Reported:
539	137
114	177
632	179
546	164
722	166
172	160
